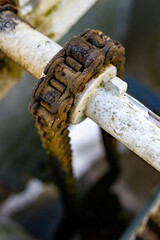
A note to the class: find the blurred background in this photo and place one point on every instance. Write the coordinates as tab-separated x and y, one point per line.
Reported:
29	195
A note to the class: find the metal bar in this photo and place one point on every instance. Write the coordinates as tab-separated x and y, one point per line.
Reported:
126	122
24	45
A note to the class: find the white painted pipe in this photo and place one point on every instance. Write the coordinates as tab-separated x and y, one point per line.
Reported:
104	100
24	45
129	125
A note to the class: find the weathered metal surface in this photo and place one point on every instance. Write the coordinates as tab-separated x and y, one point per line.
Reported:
29	46
123	120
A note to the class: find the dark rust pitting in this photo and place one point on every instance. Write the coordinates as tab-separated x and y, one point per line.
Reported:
8	17
8	21
67	74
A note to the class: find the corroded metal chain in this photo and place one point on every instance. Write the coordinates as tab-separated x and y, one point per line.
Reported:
10	5
65	76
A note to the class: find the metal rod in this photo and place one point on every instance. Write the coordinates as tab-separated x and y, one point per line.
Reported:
126	123
24	45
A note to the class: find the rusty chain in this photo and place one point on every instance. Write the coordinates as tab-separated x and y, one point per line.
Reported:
66	75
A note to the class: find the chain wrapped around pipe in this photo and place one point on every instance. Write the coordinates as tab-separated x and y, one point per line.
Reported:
66	75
